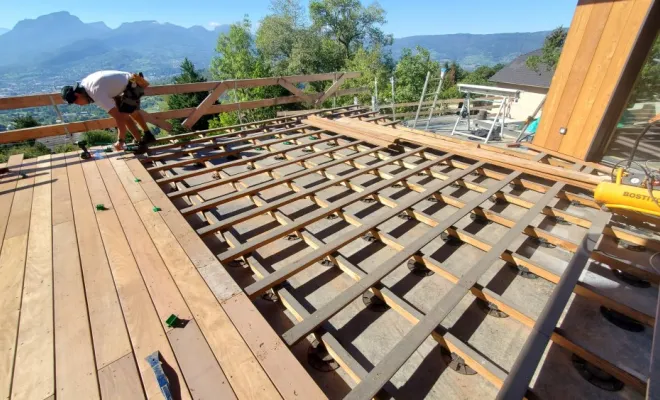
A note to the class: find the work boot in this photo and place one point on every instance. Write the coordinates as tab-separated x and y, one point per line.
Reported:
141	148
148	137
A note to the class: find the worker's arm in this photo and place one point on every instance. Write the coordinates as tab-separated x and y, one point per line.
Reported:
124	122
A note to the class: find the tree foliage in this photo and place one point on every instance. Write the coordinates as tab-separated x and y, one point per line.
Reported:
188	100
647	87
328	36
239	58
410	73
25	121
550	51
350	23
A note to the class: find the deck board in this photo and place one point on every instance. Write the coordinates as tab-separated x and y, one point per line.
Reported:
34	375
85	293
278	362
75	370
12	268
7	186
120	381
144	325
108	329
245	375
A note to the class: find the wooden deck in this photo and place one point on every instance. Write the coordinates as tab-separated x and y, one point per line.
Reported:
465	252
85	294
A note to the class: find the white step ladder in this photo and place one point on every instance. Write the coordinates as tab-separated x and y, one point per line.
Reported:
504	97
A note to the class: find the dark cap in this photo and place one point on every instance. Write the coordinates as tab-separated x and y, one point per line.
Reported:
69	94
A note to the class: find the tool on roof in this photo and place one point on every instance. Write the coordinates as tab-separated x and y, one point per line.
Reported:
157	366
632	188
85	152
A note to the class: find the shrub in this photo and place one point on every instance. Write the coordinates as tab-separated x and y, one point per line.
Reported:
28	151
99	137
65	148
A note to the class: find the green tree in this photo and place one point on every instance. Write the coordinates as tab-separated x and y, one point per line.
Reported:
188	100
481	74
350	23
238	58
550	51
373	64
25	121
647	87
280	33
410	73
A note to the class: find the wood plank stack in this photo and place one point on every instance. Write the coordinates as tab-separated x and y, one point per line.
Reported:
384	136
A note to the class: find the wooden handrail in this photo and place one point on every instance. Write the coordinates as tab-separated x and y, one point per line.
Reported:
191	114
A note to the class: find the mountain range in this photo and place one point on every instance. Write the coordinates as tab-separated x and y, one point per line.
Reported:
470	50
44	53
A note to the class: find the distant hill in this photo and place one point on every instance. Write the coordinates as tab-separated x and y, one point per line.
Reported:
45	53
470	50
3	30
57	48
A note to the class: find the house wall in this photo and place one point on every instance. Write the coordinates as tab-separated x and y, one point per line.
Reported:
530	98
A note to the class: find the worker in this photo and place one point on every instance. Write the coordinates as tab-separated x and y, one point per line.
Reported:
118	93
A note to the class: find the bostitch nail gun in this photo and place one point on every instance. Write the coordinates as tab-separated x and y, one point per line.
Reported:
635	189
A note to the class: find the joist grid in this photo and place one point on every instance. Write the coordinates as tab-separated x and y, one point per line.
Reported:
459	171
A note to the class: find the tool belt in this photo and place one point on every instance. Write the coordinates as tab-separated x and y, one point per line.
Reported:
129	101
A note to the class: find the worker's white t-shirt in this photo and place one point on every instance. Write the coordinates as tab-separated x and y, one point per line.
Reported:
104	86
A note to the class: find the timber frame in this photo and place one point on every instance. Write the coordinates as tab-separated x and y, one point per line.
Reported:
191	115
260	193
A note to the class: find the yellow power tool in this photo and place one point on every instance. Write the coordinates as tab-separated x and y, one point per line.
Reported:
632	190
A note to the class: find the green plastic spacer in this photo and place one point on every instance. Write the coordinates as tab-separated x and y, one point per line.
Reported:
156	209
313	137
171	320
100	207
138	180
23	176
258	148
288	143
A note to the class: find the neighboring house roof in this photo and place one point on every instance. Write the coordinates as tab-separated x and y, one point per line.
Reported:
517	73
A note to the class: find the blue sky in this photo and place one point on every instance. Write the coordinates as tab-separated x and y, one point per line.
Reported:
405	17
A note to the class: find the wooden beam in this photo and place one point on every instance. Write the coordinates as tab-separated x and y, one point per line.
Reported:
529	358
387	367
215	144
247	174
279	276
332	89
349	127
277	233
239	218
307	98
161	123
605	49
251	126
301	330
42	100
204	105
159	117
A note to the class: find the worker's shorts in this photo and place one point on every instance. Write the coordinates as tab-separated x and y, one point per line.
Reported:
127	104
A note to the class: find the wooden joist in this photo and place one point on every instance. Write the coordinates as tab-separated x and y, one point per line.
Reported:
537	204
359	129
